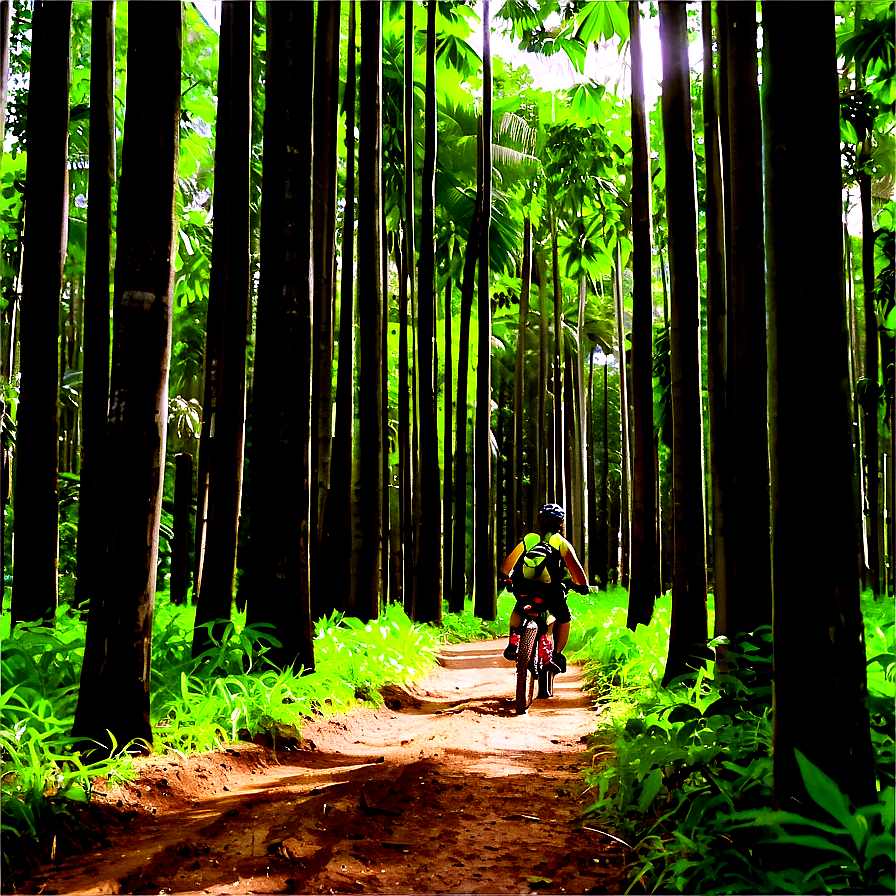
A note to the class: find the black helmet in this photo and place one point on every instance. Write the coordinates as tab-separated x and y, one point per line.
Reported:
552	511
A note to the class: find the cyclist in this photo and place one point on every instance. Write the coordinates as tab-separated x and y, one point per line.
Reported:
550	525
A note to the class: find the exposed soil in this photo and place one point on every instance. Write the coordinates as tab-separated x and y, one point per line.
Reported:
444	790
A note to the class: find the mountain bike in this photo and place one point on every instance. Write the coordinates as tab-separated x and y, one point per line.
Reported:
533	656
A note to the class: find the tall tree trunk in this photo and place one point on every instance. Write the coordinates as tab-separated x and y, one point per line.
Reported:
517	516
115	676
370	307
448	456
37	525
642	586
716	312
484	503
624	466
556	470
748	550
603	527
590	465
429	601
689	617
224	412
870	408
544	479
813	548
95	385
405	566
282	405
326	102
339	518
180	547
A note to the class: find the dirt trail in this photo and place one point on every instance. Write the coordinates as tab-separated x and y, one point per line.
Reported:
445	790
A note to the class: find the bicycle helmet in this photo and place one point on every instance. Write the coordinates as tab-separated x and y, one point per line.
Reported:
552	511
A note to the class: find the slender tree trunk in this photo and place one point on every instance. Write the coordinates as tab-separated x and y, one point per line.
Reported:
95	386
813	549
429	601
689	617
603	528
870	402
590	462
624	454
517	516
643	530
449	485
37	526
115	676
339	518
716	312
326	101
228	318
747	489
556	470
484	502
405	566
370	306
544	480
180	547
281	477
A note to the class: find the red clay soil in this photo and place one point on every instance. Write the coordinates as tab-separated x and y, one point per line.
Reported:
444	790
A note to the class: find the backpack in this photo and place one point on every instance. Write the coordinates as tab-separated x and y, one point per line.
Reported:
542	562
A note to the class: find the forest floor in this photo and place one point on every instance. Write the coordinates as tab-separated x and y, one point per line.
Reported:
443	790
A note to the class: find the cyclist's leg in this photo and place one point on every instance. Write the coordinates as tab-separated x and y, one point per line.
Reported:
513	639
562	626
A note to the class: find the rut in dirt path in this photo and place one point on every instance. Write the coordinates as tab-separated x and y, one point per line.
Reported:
443	790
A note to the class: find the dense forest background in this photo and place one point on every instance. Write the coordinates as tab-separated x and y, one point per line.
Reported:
308	308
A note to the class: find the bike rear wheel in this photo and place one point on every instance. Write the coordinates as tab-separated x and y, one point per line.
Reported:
525	677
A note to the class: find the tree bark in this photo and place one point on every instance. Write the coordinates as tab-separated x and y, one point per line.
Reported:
517	514
747	499
95	383
813	548
448	486
429	558
34	595
115	676
180	547
624	457
642	590
687	642
556	471
370	308
716	313
484	503
224	411
326	102
281	471
340	505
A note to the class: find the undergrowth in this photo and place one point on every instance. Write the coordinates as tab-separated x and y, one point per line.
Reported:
226	694
683	774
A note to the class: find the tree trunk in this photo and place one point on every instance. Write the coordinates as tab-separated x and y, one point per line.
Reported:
590	461
224	411
428	606
484	503
556	470
603	527
326	102
339	517
624	472
716	311
517	517
282	404
642	586
36	525
180	547
544	479
813	548
370	308
448	485
869	402
95	384
747	489
687	642
115	676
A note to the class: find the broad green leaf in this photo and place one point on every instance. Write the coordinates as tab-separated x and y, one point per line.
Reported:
650	789
824	791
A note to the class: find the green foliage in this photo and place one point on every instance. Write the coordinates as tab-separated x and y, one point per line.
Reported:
688	783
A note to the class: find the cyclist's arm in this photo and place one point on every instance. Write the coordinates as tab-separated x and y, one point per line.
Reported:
573	565
511	558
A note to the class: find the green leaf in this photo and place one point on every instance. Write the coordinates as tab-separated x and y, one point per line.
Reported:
848	132
650	789
825	792
535	879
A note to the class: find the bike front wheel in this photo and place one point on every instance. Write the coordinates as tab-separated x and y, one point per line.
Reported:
525	677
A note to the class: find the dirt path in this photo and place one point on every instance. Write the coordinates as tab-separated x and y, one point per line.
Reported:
445	790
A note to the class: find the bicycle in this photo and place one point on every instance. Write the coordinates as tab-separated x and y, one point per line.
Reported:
534	656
